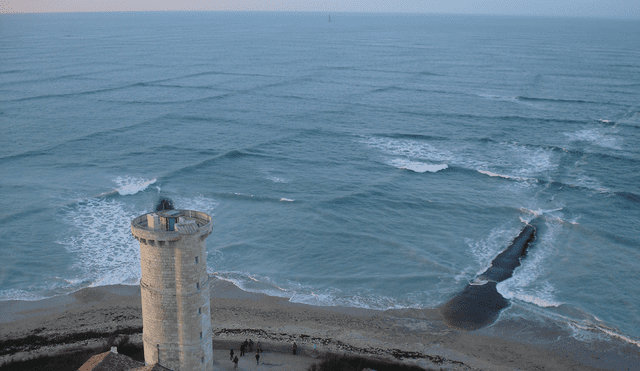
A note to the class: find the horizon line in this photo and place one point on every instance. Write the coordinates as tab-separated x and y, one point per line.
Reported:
365	12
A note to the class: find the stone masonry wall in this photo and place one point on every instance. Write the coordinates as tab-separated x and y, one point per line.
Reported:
175	300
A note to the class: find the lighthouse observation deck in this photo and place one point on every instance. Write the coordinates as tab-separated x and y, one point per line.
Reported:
167	226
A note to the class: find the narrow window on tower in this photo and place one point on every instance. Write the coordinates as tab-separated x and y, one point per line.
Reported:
201	359
196	260
200	334
198	285
199	311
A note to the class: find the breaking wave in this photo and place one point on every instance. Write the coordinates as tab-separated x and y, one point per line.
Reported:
418	167
132	185
525	284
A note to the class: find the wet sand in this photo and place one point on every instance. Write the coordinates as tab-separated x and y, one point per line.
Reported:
84	318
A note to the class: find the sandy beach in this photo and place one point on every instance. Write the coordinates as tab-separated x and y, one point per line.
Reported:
86	317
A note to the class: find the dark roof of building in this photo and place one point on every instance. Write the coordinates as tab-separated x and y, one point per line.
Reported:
109	361
153	367
169	213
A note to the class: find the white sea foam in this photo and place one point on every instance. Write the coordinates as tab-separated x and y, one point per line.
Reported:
498	97
253	283
377	302
54	286
575	220
275	179
618	335
589	330
577	177
537	213
506	99
132	185
334	297
511	99
507	160
478	281
532	161
520	182
418	167
493	174
268	173
585	332
242	194
559	220
410	149
199	203
489	173
313	298
304	294
542	297
485	250
15	294
102	244
590	182
286	199
602	137
525	284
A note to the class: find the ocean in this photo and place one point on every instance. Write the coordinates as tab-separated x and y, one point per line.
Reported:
374	160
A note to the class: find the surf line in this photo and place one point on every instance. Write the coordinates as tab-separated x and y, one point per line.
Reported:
127	189
480	303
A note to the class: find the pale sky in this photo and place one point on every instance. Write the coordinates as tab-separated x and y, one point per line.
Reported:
561	8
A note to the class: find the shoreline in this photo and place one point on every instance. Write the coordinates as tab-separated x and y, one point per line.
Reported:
417	336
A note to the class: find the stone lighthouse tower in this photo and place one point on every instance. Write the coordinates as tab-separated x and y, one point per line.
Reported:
175	288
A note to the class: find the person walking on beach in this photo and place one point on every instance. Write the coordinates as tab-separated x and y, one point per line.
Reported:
259	347
242	350
250	345
235	362
294	348
257	358
231	354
